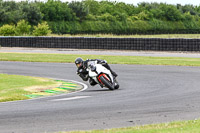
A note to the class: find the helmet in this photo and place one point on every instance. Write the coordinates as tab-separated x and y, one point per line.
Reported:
79	62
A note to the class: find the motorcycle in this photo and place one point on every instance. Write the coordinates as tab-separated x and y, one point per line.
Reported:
102	75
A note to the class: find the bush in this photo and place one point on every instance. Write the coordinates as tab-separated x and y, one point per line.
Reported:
7	30
23	28
41	30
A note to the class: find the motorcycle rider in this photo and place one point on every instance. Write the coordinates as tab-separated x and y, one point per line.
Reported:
82	69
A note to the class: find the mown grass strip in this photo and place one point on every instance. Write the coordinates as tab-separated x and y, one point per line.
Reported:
130	36
191	126
69	58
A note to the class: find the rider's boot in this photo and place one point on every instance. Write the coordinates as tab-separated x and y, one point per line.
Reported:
113	73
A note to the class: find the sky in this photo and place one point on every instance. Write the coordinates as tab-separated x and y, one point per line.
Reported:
135	2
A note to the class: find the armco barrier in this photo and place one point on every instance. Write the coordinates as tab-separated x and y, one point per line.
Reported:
155	44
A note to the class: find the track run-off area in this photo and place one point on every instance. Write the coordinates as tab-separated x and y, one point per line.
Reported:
148	94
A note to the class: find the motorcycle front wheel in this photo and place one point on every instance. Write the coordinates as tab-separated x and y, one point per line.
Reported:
107	83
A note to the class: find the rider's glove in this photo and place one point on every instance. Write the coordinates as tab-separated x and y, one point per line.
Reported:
79	71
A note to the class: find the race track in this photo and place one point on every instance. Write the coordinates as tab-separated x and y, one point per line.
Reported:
148	94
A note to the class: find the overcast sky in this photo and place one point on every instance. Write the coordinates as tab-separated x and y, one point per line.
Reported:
135	2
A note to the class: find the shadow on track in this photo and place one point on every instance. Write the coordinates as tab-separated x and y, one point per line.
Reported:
99	90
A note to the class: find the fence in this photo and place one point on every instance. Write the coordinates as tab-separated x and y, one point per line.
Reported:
155	44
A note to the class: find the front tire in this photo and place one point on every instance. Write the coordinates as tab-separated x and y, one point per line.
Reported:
106	83
116	84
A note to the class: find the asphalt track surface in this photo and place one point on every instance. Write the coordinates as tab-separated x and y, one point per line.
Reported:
148	94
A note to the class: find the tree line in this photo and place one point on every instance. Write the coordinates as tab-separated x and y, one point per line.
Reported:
90	16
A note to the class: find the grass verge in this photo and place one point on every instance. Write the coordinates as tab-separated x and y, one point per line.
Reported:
67	58
15	87
131	36
191	126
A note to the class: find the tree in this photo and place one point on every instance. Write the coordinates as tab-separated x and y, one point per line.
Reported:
106	17
80	9
190	9
93	6
144	15
56	11
31	12
124	8
10	12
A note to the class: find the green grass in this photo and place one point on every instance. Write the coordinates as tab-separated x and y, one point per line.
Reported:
14	87
131	36
66	58
192	126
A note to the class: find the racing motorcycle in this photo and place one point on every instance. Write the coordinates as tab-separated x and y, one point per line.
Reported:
102	75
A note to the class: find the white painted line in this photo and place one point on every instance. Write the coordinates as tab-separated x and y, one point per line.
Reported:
71	98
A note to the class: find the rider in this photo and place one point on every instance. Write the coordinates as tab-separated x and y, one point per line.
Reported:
82	69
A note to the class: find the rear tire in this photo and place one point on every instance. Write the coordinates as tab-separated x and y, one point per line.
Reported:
106	83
